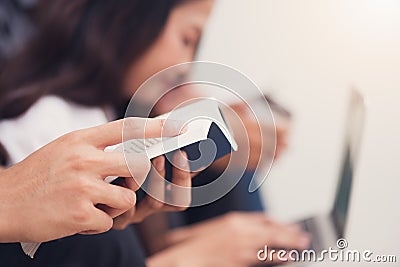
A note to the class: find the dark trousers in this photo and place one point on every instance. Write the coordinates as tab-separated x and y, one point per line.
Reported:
114	248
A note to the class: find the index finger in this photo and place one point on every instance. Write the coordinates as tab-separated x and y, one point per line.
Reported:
131	128
151	128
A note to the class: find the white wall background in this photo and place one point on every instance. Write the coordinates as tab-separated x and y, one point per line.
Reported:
308	53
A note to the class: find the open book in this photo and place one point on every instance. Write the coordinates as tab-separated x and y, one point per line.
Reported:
208	137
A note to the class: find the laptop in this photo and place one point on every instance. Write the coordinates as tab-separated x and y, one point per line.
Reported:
326	229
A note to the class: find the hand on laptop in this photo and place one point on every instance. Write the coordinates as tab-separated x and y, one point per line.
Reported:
230	240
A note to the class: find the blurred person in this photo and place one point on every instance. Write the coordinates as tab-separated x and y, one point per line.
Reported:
239	199
66	79
230	216
248	137
85	61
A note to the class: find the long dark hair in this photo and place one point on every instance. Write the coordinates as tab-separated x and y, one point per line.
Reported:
81	51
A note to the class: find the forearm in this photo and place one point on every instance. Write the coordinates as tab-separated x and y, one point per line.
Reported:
3	213
6	233
7	223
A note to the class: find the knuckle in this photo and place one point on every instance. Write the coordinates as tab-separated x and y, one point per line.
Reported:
81	216
93	159
89	133
84	186
130	199
75	160
131	122
73	137
95	131
78	165
81	161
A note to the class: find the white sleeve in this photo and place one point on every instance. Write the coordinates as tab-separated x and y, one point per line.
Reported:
48	119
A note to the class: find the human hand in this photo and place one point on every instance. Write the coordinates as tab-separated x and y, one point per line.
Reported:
229	240
252	127
156	191
57	191
271	142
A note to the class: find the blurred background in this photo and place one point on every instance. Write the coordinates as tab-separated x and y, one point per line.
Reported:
308	54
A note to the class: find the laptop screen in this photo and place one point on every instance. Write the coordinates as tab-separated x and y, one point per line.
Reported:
353	134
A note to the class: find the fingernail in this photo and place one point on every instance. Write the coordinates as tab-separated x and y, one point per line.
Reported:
159	164
131	197
181	160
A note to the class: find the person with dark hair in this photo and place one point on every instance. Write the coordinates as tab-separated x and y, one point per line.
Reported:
82	65
83	52
74	73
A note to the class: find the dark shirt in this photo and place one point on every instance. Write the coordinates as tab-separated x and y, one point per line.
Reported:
238	199
111	249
